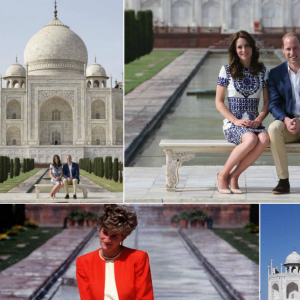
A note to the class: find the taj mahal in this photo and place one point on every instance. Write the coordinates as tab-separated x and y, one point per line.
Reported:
283	285
56	104
230	15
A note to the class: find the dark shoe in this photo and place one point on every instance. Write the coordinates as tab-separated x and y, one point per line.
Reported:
283	187
74	197
67	197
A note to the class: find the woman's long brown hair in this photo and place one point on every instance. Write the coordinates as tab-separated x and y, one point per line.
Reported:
235	66
54	162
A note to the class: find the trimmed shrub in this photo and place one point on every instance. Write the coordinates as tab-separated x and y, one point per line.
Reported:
149	31
91	166
116	170
101	167
141	32
106	167
1	169
110	167
121	177
24	166
17	166
11	172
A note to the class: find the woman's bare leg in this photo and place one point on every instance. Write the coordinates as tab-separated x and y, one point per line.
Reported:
52	193
253	155
249	141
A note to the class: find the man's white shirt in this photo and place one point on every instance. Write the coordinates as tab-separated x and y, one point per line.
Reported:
295	82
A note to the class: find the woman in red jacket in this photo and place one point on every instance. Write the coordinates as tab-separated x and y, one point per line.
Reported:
114	272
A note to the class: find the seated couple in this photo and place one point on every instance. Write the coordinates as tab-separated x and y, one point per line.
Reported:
244	79
70	172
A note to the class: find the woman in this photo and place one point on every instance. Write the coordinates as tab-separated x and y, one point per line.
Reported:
56	173
244	78
114	272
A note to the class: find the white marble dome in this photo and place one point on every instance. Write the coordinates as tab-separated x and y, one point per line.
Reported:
293	258
16	70
95	70
55	48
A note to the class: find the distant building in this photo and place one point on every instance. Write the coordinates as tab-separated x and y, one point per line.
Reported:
58	105
283	285
232	16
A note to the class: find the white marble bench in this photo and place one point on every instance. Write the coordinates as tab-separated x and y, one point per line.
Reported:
179	151
39	187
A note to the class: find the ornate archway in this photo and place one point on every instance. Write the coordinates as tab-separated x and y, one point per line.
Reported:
56	115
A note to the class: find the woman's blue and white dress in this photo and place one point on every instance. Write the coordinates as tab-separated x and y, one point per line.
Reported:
243	98
56	172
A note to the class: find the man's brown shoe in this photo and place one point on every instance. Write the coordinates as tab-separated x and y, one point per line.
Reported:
67	197
74	197
283	187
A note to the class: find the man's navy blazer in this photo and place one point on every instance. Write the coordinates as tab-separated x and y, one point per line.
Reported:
75	171
280	92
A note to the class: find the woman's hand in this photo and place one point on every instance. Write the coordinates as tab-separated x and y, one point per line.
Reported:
243	123
255	123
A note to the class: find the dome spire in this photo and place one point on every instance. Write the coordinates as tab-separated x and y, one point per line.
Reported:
16	58
55	11
95	59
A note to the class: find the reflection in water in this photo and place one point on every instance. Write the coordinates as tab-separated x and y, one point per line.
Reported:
194	117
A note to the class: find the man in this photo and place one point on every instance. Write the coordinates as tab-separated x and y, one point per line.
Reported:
284	90
71	175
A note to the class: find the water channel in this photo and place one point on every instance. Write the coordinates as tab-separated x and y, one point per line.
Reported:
196	117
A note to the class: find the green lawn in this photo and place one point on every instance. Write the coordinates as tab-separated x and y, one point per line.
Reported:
114	187
8	247
147	66
241	246
12	182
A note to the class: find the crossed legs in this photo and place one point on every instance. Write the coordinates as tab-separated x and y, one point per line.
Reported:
244	155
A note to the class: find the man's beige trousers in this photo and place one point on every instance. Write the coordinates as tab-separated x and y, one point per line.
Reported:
279	136
74	182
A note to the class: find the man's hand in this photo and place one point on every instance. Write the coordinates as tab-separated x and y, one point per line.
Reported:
292	125
69	179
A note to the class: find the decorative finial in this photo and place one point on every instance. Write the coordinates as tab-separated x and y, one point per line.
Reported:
16	58
294	249
95	59
55	11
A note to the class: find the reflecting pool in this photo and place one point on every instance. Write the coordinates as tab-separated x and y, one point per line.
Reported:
196	117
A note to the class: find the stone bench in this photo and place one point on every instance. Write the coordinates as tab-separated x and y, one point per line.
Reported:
39	187
179	151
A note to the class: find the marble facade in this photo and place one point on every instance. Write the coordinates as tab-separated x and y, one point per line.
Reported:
283	285
231	15
58	105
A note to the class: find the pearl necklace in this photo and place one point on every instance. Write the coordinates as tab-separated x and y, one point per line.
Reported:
109	258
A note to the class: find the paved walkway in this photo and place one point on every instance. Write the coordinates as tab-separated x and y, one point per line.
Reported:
176	274
23	279
96	193
24	186
234	267
44	198
147	103
197	184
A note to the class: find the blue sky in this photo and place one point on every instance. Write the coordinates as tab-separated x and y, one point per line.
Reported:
280	233
99	23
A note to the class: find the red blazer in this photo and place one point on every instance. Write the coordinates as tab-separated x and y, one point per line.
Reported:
132	275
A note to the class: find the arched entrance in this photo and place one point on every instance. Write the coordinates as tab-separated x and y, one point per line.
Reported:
56	122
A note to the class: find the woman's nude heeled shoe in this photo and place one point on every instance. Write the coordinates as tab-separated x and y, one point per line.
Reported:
234	191
222	191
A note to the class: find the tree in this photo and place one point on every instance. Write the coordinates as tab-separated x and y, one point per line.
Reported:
24	165
11	172
121	177
101	167
17	166
110	167
116	170
1	169
106	167
149	30
141	26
